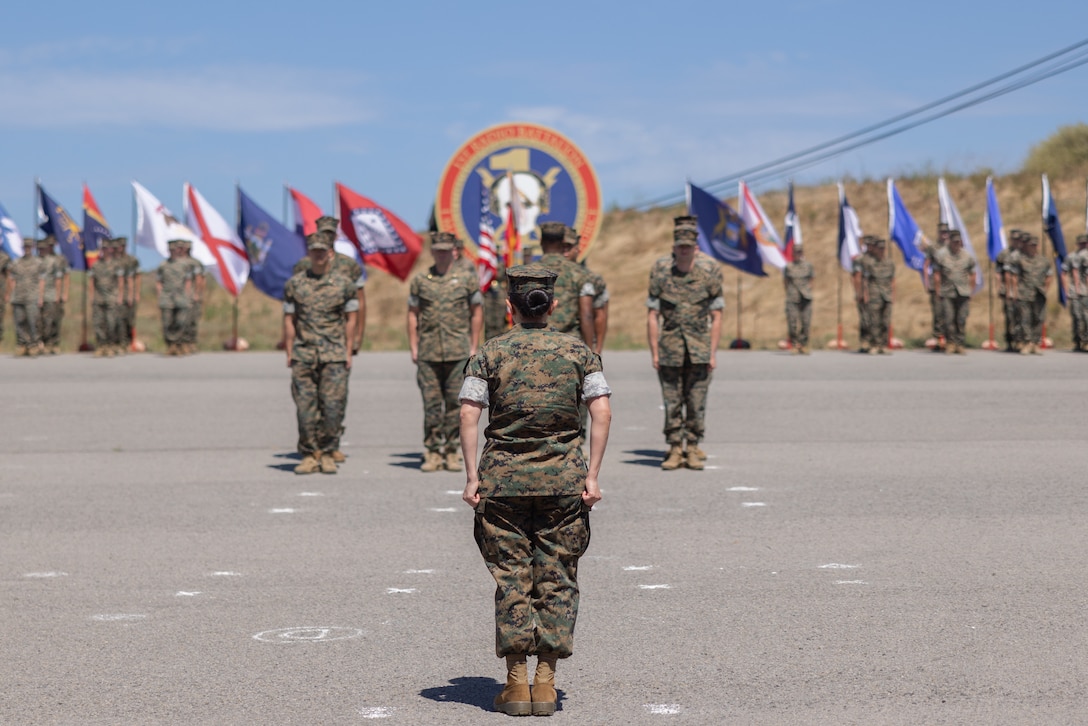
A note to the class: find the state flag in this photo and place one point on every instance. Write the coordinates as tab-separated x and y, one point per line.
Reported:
384	239
723	234
272	249
95	228
229	263
54	219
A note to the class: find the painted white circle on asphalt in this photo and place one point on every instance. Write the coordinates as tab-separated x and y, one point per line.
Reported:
309	634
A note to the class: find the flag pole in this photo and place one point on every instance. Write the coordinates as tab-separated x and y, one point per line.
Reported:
132	238
1042	251
839	345
84	346
739	343
233	344
990	344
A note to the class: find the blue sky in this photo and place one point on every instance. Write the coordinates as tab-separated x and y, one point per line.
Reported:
379	95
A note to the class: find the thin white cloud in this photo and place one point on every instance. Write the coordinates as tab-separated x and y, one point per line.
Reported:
234	98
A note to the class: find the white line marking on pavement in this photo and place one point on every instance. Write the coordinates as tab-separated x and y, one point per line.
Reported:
837	566
655	587
454	492
742	489
43	575
376	712
443	509
419	572
310	494
187	593
395	590
663	709
637	568
225	573
753	504
282	510
851	582
711	466
312	634
117	617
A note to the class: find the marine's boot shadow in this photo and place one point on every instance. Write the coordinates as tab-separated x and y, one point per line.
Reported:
646	457
475	691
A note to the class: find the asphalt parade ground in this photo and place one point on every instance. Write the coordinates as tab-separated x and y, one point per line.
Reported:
876	540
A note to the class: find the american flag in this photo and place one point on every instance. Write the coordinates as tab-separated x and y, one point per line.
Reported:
487	258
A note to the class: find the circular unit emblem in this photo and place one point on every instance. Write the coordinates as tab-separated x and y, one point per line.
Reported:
552	178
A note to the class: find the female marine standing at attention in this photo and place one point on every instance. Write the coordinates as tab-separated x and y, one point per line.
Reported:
532	492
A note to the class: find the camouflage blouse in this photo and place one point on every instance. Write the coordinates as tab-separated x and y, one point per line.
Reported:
341	265
572	284
319	304
1032	273
684	301
798	276
878	276
106	276
56	267
176	278
532	379
957	273
444	304
27	272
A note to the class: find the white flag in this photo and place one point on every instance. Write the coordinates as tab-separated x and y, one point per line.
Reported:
951	216
156	225
221	250
849	232
759	224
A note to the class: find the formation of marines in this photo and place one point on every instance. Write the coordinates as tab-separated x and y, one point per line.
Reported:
36	286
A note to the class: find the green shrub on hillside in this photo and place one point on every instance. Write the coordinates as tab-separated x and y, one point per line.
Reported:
1064	153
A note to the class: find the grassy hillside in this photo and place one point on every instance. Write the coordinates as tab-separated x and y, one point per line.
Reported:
630	241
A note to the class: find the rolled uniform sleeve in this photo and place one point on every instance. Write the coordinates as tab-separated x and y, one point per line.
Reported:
595	386
474	390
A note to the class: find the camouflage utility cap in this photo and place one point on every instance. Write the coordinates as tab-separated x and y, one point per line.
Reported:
685	229
553	232
942	227
571	237
955	234
327	224
317	241
443	241
526	278
1082	239
877	242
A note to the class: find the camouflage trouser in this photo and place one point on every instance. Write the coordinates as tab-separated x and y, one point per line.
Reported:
192	322
128	322
174	321
107	323
439	382
880	320
1079	313
531	546
1012	324
320	391
27	328
956	308
494	313
863	323
684	390
1032	319
940	319
799	320
52	313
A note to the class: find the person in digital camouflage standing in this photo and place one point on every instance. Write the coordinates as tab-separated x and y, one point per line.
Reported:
954	281
797	277
319	313
461	262
347	267
532	491
445	320
600	291
1075	267
878	283
198	290
857	274
495	322
173	282
105	297
5	271
131	266
55	294
1031	272
26	286
1002	269
929	271
683	327
573	286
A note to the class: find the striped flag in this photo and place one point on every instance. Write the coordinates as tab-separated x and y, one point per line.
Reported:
849	232
759	224
513	221
95	228
950	215
793	229
228	261
487	257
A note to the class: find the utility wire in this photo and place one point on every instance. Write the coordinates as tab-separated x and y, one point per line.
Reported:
799	155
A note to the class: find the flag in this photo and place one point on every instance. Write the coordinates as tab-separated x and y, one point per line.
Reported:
951	216
156	225
995	230
272	249
723	234
903	230
306	216
849	232
487	259
229	264
759	224
54	219
514	216
1054	231
11	241
793	229
95	228
384	240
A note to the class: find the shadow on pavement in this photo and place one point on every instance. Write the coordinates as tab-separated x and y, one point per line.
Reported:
475	691
412	460
293	456
646	457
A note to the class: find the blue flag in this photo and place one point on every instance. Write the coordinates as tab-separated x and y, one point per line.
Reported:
272	249
722	233
1054	232
10	239
55	220
903	230
995	230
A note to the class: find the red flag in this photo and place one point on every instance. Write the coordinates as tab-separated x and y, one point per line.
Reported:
382	237
306	212
95	228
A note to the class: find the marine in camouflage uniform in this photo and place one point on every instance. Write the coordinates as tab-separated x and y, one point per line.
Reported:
131	266
532	492
174	282
495	322
1076	267
954	280
5	270
858	266
573	287
445	319
347	267
878	289
191	331
1032	272
929	270
26	284
600	291
319	310
107	290
683	326
1002	268
54	294
797	277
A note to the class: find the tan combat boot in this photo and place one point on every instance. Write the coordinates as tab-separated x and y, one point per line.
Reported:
515	699
673	459
432	461
328	464
339	456
544	697
693	448
453	461
309	465
692	460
